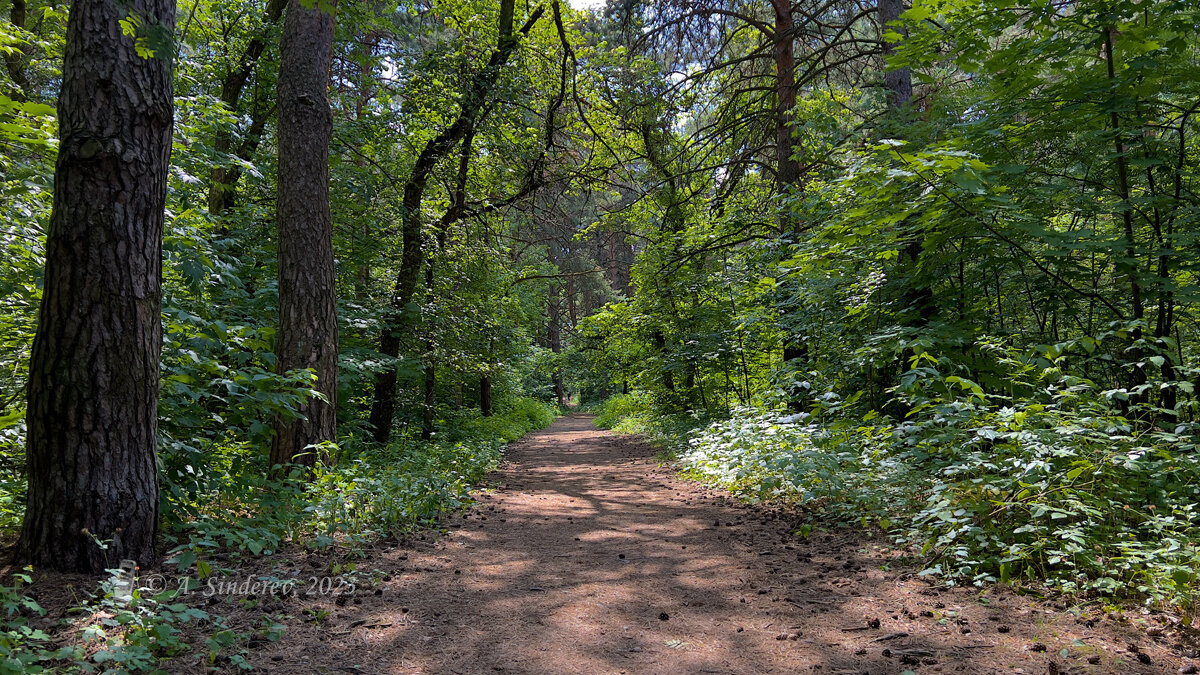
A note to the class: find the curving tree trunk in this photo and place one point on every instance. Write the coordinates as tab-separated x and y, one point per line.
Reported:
222	190
479	91
93	376
308	328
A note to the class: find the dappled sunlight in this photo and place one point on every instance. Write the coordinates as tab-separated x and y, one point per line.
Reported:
586	556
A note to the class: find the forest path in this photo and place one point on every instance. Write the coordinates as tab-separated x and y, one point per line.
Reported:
586	556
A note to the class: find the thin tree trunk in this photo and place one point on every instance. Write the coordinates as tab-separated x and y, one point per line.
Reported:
223	180
308	328
898	82
14	61
458	203
485	396
94	370
430	392
554	338
1128	269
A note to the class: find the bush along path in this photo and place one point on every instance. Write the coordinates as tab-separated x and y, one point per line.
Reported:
585	554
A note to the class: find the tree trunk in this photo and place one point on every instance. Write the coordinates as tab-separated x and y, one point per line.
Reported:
787	170
1126	263
430	360
458	203
917	294
308	328
660	346
14	61
554	340
430	396
898	82
93	376
485	396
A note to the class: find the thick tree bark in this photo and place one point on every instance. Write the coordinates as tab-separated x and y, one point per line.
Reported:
383	409
308	328
94	370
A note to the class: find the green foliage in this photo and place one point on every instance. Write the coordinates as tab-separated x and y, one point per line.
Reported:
622	409
636	413
23	648
845	473
984	301
1056	486
514	418
394	490
137	634
371	492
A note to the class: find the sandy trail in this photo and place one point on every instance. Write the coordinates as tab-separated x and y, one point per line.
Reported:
585	556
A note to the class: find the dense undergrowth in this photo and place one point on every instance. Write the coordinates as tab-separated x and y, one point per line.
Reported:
1058	488
369	492
227	509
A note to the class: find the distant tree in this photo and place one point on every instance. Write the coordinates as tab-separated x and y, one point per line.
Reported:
478	92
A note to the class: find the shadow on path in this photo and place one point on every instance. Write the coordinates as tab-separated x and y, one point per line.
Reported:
585	556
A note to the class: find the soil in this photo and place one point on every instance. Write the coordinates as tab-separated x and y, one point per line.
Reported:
584	554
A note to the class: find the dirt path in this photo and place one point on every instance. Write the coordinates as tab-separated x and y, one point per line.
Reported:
585	556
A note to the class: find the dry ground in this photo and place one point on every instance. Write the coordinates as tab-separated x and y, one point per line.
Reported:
584	555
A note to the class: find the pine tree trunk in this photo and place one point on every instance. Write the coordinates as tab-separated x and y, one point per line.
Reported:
898	82
308	329
93	377
787	168
783	51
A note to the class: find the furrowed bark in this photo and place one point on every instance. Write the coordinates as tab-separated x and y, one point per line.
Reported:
94	369
308	328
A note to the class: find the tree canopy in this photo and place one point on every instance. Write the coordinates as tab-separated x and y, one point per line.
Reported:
927	265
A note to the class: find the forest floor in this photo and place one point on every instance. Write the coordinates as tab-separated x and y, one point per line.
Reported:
585	554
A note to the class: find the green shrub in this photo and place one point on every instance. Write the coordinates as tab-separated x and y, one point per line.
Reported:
397	490
370	492
847	472
622	407
636	413
513	419
1057	486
